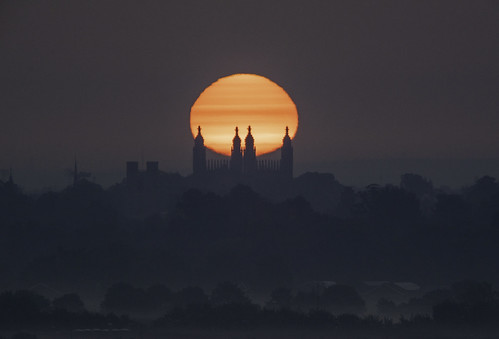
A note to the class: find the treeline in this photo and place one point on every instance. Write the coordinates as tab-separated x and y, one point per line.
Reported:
412	232
24	309
125	298
466	304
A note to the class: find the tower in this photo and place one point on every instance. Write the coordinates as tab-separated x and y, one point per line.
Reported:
75	174
287	156
152	168
132	171
11	181
236	155
199	154
249	160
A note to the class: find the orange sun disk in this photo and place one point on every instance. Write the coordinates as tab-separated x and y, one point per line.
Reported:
244	100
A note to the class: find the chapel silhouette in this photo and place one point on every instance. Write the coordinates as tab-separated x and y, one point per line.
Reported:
243	162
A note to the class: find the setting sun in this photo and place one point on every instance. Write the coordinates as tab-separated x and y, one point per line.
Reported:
244	100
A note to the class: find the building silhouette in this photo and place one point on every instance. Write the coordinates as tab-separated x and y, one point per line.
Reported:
236	155
199	154
249	158
242	166
243	162
134	176
287	156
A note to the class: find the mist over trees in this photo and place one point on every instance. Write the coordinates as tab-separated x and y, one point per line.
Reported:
309	254
463	306
411	232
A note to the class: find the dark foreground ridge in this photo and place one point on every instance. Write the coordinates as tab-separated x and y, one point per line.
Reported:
179	235
389	251
469	308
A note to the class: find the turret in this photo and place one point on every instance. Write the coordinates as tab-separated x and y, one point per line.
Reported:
11	181
249	153
75	174
199	154
236	155
287	156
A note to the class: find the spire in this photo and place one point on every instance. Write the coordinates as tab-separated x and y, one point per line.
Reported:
199	136
237	133
249	139
286	165
249	154
287	138
199	133
10	184
236	156
236	141
75	173
199	140
199	154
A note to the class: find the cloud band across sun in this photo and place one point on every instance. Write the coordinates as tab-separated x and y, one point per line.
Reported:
243	100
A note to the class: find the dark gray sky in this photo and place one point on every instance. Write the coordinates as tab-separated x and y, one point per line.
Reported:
380	86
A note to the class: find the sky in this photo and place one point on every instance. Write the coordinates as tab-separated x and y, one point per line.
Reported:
381	87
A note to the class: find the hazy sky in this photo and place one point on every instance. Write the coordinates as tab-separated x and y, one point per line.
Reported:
112	81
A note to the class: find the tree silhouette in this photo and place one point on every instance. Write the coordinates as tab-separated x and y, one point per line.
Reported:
342	299
21	307
69	302
281	298
386	307
123	297
24	335
416	184
191	295
228	293
388	204
159	296
473	292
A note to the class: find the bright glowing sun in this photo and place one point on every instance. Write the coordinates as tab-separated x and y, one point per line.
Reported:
244	100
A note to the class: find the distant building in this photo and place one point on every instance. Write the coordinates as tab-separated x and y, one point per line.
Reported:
287	156
394	291
143	187
199	154
243	162
152	168
135	177
249	156
132	170
236	155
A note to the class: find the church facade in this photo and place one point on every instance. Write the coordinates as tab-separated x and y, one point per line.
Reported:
243	161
